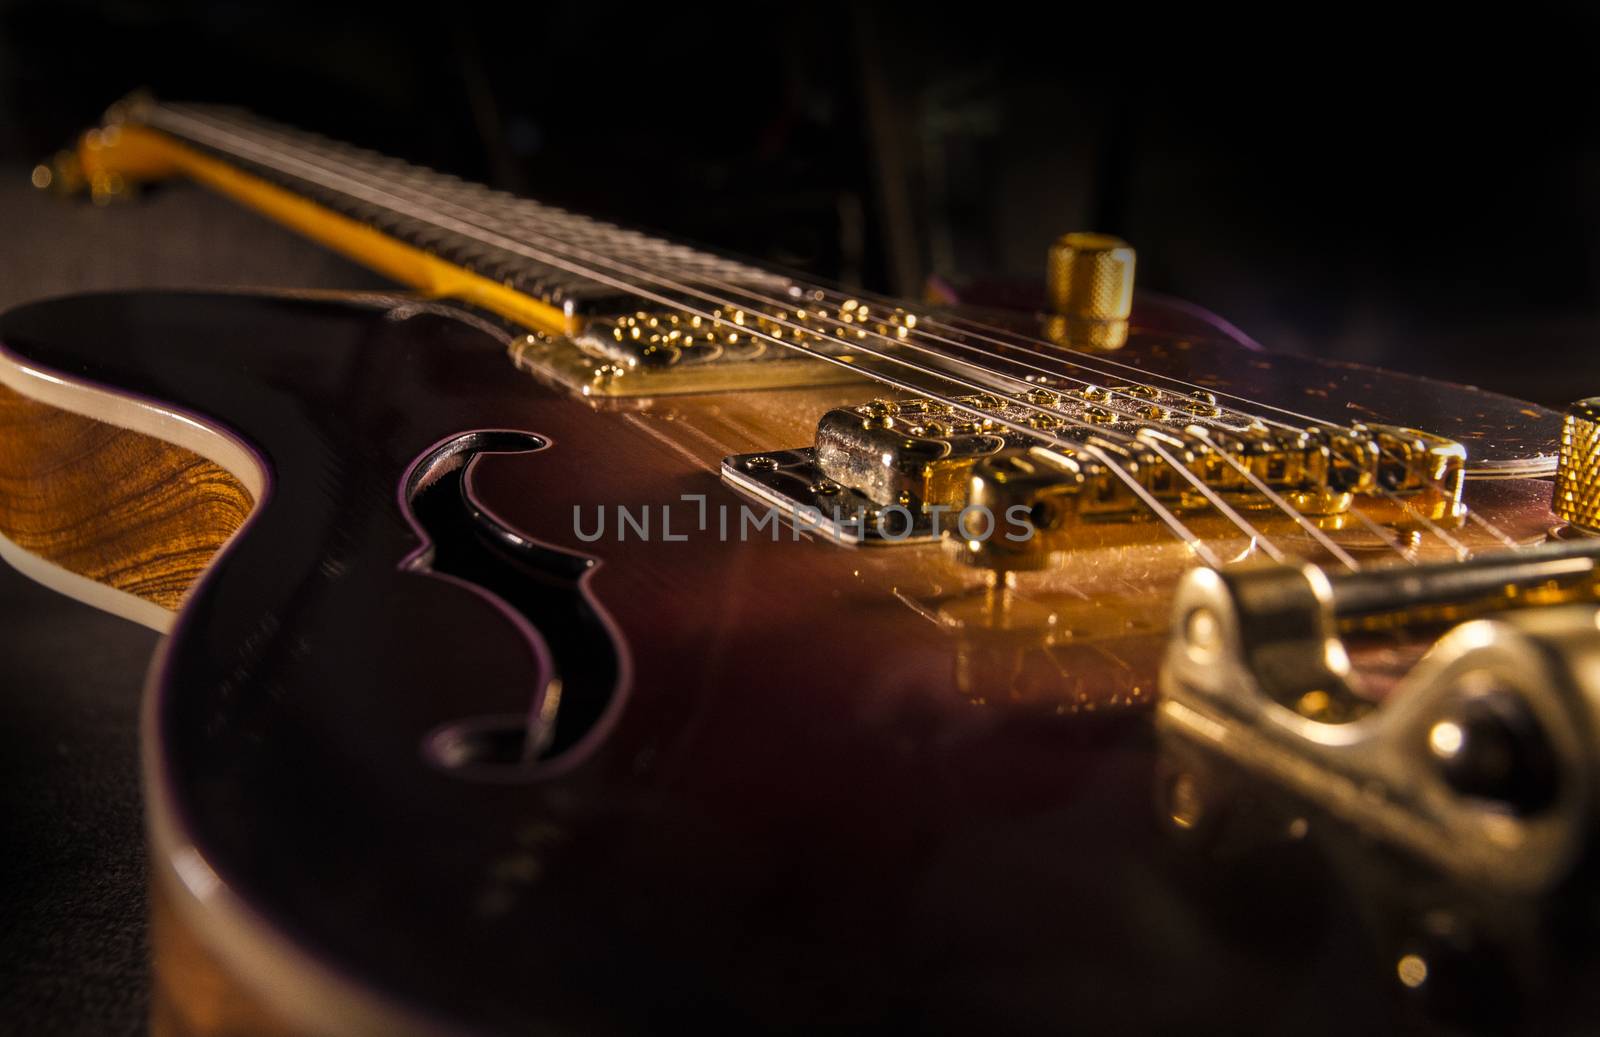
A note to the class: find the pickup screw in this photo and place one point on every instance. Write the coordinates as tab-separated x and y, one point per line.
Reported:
761	463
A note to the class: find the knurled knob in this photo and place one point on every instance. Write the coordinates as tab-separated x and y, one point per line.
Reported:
1577	493
1090	282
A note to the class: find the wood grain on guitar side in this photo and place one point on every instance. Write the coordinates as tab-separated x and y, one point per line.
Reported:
120	508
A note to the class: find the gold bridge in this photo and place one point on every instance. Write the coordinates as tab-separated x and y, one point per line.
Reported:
1016	456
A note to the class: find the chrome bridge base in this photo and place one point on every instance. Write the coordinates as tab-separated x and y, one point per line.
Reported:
791	481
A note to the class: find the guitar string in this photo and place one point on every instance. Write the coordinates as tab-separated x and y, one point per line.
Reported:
1455	545
322	176
1327	543
1495	531
1215	500
520	210
1383	532
533	209
566	235
1028	346
634	288
550	226
1463	552
1198	430
431	197
431	194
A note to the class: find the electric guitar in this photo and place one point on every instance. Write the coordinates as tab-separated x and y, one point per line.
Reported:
599	634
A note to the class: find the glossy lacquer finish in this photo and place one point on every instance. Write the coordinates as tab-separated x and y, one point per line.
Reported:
784	797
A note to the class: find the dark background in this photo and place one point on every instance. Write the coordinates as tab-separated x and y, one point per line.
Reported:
1420	192
1387	185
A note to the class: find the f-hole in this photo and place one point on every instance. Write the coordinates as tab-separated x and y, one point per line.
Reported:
540	583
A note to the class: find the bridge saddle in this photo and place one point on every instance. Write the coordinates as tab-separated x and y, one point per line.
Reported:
1039	457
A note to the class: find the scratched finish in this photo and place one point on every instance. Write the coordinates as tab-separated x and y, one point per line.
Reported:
832	788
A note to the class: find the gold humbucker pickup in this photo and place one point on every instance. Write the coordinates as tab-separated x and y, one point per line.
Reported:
656	352
650	353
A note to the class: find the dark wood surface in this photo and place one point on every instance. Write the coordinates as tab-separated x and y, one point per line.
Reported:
745	826
788	820
795	802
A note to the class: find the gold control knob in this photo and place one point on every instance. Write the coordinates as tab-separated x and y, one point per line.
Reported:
1577	493
1090	282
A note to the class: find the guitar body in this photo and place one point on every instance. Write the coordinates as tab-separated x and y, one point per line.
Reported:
787	785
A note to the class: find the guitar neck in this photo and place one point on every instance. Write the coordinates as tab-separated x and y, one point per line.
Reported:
537	265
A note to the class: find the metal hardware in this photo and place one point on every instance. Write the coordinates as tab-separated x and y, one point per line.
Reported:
1555	573
61	174
73	172
596	363
930	456
649	353
1089	278
1576	499
1320	474
920	452
915	452
1480	759
792	482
